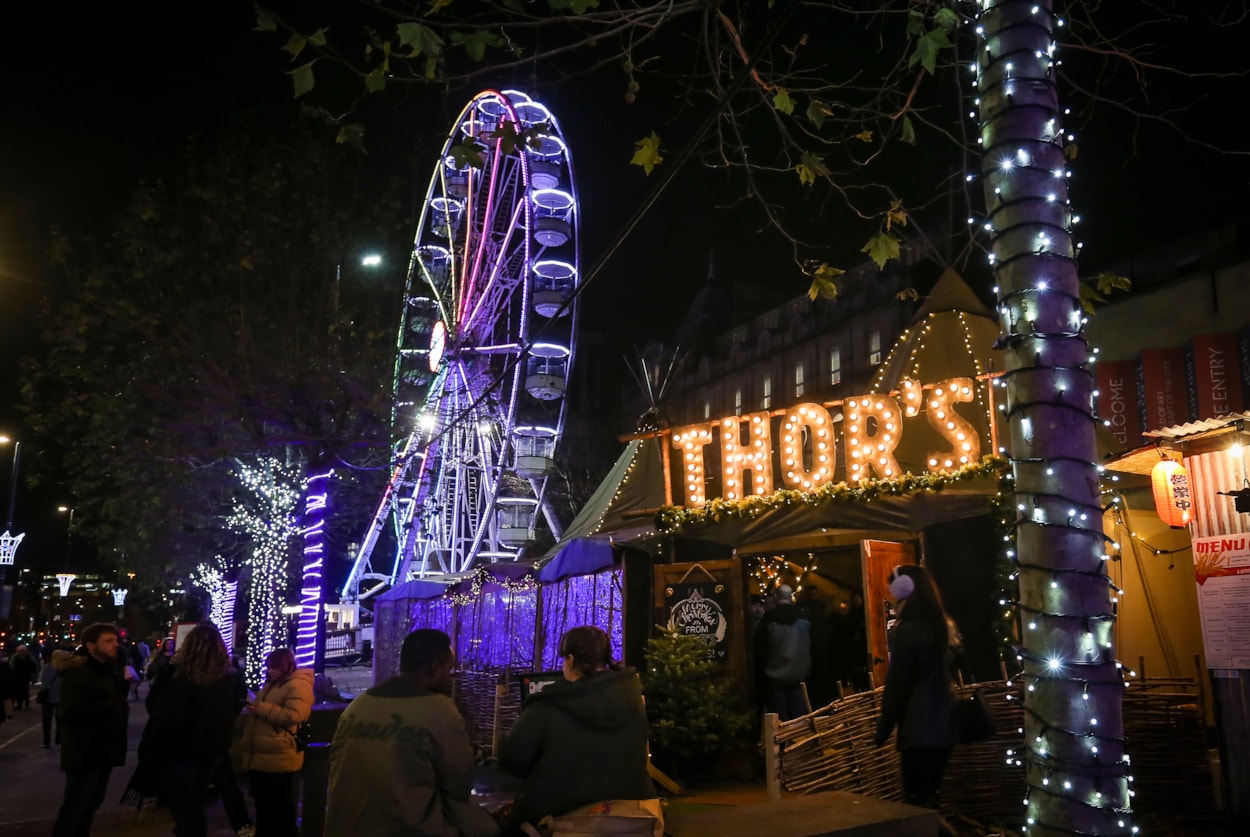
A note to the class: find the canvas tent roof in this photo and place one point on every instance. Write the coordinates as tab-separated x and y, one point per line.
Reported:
622	507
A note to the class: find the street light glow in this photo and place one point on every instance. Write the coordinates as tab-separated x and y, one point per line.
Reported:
371	260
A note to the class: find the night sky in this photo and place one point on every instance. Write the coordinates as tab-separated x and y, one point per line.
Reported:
99	95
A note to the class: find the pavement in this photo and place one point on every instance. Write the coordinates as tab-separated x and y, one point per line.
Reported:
30	792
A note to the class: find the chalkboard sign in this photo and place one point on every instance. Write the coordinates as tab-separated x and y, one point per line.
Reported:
700	608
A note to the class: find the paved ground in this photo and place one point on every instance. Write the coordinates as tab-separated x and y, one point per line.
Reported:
30	792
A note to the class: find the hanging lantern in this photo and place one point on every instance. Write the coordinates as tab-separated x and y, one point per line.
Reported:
1173	501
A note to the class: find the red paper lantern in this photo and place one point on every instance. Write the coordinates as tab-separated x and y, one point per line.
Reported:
1173	501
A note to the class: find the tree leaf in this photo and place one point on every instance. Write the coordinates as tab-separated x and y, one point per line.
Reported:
823	284
302	78
946	19
475	43
881	248
318	38
810	167
927	47
864	136
895	215
816	112
438	5
822	288
783	102
467	154
915	23
647	153
376	80
1111	282
353	136
908	134
420	39
1070	150
295	45
264	20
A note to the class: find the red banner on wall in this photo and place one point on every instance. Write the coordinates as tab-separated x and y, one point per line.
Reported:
1161	381
1213	373
1117	400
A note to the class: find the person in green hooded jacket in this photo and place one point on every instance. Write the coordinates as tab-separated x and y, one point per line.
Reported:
582	740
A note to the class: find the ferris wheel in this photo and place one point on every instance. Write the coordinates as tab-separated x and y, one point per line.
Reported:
485	347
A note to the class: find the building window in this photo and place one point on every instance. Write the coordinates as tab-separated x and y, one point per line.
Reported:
835	367
874	348
767	401
798	379
737	402
707	410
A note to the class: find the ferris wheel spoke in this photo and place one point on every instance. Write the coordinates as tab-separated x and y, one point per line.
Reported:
496	269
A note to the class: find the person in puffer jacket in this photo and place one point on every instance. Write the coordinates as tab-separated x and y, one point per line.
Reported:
581	740
270	757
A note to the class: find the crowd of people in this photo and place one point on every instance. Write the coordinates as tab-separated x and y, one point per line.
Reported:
400	760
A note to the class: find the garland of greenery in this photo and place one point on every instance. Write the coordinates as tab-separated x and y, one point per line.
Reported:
672	519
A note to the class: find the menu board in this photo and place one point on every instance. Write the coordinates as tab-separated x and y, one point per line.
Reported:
1222	570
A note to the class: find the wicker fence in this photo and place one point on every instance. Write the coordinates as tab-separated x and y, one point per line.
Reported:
490	703
831	749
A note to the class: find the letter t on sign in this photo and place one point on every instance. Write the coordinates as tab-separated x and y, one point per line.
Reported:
691	441
753	455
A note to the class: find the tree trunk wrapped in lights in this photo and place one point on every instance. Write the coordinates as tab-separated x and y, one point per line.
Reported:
269	517
1074	755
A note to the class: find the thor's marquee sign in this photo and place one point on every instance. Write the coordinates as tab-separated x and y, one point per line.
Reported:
808	453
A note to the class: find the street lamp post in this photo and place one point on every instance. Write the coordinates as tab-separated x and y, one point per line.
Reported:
69	529
315	586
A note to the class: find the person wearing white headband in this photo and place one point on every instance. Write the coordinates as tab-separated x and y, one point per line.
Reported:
918	698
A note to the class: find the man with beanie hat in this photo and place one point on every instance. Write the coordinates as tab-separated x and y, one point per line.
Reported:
783	656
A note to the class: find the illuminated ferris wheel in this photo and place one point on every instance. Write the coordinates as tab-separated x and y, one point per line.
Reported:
486	342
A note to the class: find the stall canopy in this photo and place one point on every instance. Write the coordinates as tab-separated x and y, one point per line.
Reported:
579	556
415	589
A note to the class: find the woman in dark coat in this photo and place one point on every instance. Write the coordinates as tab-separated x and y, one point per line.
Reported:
192	706
918	697
582	740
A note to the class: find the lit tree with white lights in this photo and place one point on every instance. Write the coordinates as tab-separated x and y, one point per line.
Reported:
1074	755
269	516
222	587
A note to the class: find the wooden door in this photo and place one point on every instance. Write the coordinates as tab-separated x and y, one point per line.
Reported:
878	558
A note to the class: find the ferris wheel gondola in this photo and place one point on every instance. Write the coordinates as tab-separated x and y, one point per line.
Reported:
485	347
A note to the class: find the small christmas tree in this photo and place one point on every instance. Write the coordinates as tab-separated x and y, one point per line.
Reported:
692	706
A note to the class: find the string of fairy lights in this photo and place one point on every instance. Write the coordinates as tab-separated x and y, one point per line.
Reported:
1076	769
269	516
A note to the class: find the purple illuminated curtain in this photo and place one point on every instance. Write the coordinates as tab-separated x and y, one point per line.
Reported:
396	613
495	629
593	599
